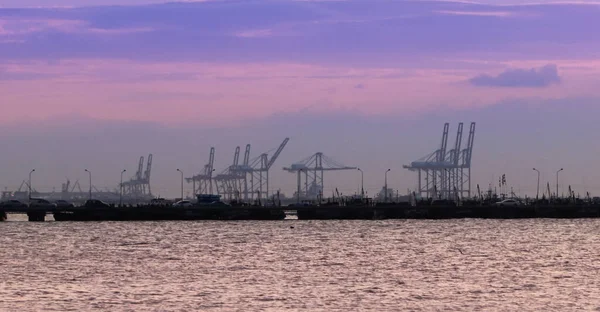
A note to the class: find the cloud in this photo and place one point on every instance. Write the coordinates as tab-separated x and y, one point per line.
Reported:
11	41
7	74
479	13
299	31
529	78
255	33
26	26
185	92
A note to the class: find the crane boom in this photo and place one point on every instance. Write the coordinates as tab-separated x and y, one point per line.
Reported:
457	144
279	150
211	162
236	156
247	155
470	143
442	154
140	170
148	168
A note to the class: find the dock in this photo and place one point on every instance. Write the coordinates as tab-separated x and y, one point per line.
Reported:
323	211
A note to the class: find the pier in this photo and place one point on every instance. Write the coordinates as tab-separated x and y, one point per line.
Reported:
331	210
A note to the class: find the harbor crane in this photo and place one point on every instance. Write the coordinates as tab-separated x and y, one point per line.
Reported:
257	173
312	169
227	182
139	185
205	178
446	174
249	180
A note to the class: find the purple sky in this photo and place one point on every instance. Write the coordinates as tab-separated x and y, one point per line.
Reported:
343	77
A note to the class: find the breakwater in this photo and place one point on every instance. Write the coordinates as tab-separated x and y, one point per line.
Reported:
437	209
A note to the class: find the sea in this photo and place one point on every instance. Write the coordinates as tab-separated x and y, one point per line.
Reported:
293	265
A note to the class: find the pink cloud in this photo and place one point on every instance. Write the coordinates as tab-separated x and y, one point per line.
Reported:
217	94
13	27
255	33
27	26
480	13
11	41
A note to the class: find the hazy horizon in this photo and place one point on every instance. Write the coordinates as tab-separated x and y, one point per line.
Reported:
369	83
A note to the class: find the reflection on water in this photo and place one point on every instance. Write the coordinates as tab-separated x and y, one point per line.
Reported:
296	265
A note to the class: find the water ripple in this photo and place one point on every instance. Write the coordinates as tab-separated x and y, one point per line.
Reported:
454	265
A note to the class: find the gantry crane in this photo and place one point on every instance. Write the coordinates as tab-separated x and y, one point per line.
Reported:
254	173
444	174
205	178
138	186
228	181
313	168
249	180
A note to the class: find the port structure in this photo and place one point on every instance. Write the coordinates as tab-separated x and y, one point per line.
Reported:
250	179
139	185
312	169
136	190
227	181
205	178
446	174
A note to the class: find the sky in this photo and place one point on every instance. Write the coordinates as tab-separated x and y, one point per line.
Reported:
96	84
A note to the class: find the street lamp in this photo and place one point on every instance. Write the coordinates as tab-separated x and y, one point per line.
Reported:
561	169
181	183
121	189
386	187
537	194
362	183
90	173
30	172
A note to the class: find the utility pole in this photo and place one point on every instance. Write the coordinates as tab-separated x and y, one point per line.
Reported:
537	194
362	183
561	169
30	172
386	187
90	174
121	189
181	182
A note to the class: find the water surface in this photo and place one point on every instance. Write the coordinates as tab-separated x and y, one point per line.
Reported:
486	265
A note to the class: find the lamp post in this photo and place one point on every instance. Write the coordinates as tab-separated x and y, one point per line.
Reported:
561	169
90	174
181	183
362	183
30	172
537	194
121	189
386	187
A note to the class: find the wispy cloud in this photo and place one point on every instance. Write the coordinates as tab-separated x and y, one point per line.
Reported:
11	41
24	26
534	77
16	26
95	87
255	33
480	13
295	30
